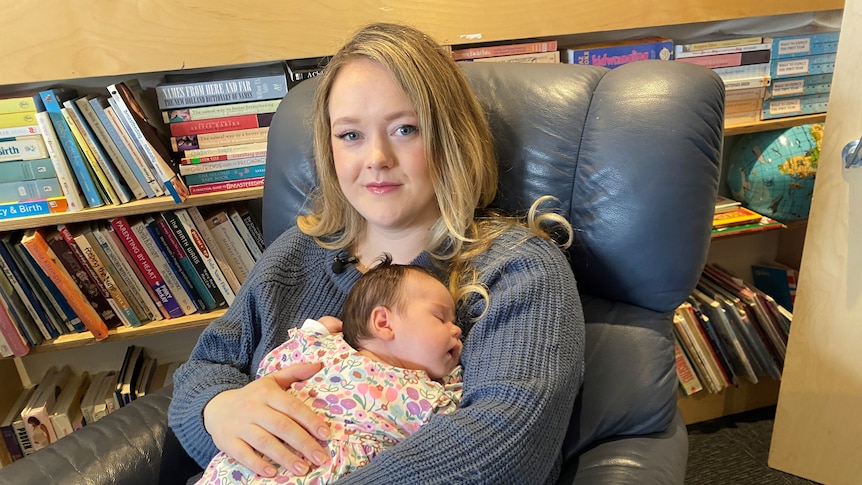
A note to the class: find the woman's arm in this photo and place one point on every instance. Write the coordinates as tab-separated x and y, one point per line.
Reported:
523	366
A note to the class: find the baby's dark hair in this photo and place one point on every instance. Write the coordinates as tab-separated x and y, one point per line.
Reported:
382	285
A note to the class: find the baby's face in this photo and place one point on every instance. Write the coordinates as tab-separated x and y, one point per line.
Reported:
428	338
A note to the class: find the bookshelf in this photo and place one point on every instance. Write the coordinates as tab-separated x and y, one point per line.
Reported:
107	40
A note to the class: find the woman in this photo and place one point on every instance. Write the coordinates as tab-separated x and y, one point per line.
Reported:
406	164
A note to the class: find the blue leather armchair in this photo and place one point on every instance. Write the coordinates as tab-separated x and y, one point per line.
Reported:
633	156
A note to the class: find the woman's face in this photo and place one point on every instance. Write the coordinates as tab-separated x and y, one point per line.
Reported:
378	150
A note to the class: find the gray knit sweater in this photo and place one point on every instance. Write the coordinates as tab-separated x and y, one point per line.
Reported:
523	361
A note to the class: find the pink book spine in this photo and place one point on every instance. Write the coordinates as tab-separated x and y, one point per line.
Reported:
224	186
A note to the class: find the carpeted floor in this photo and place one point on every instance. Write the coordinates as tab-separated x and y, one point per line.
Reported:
734	450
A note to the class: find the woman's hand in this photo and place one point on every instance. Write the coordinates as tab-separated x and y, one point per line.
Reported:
262	419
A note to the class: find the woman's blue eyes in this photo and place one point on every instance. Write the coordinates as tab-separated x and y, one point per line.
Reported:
404	130
350	136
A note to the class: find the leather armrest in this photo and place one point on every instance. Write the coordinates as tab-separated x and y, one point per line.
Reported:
657	458
131	445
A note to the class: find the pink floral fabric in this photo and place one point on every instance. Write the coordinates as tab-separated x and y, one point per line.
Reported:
370	406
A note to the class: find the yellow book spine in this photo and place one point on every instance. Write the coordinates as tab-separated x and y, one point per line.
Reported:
91	159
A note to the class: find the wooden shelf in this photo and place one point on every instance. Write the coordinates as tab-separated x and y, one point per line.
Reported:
65	342
774	124
132	208
703	406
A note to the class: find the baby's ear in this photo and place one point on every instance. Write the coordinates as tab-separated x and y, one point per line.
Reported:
381	323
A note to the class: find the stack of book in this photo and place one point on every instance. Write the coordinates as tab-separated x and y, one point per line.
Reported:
802	65
731	218
28	179
299	70
218	123
726	331
126	271
544	52
615	54
743	64
64	402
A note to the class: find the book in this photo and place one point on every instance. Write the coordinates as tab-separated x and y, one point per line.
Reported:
17	104
72	258
749	93
123	272
9	120
222	87
13	210
37	245
723	379
696	354
189	255
75	200
728	60
764	224
230	244
133	115
254	228
163	260
225	138
141	384
805	41
213	187
224	175
104	401
678	53
35	169
751	71
143	261
746	83
550	57
14	342
22	148
9	435
241	150
617	53
112	155
188	275
725	204
108	181
209	164
89	397
26	190
688	381
730	338
66	416
205	246
739	215
504	50
26	293
16	131
799	86
777	280
98	272
240	224
53	100
18	312
301	69
802	66
118	247
129	371
220	111
122	139
36	413
217	125
794	106
716	42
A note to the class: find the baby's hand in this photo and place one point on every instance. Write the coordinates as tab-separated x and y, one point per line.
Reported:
331	323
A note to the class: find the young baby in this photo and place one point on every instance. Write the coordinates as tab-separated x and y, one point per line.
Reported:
394	366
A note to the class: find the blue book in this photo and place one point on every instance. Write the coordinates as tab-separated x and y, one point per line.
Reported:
173	262
28	297
40	168
615	54
226	175
98	103
777	281
200	275
53	99
12	210
24	190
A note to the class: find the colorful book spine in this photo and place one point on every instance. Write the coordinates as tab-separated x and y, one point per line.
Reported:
729	60
26	294
223	157
52	99
107	180
22	148
18	104
193	254
216	125
231	244
220	111
800	86
678	53
40	168
71	321
802	66
145	264
226	175
225	186
15	341
25	190
551	57
504	50
74	197
19	313
16	131
801	44
221	91
111	152
199	235
794	106
209	140
9	120
36	244
13	210
716	44
149	239
114	246
191	276
232	150
139	165
615	54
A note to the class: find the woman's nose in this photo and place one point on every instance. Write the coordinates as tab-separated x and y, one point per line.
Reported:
381	153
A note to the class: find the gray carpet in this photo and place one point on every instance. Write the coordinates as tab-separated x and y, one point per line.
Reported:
734	450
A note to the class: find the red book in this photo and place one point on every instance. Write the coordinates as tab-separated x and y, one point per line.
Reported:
215	125
36	244
503	50
11	334
136	250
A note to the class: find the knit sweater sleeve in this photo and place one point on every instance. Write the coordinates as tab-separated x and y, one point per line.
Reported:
523	366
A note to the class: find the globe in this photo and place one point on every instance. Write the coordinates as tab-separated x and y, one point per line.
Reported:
772	172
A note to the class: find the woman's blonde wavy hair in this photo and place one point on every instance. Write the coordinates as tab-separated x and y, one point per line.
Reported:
458	148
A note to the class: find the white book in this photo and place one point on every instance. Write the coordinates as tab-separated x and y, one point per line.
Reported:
68	184
244	233
104	395
36	414
137	157
206	255
214	248
88	400
161	263
231	244
110	148
66	417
